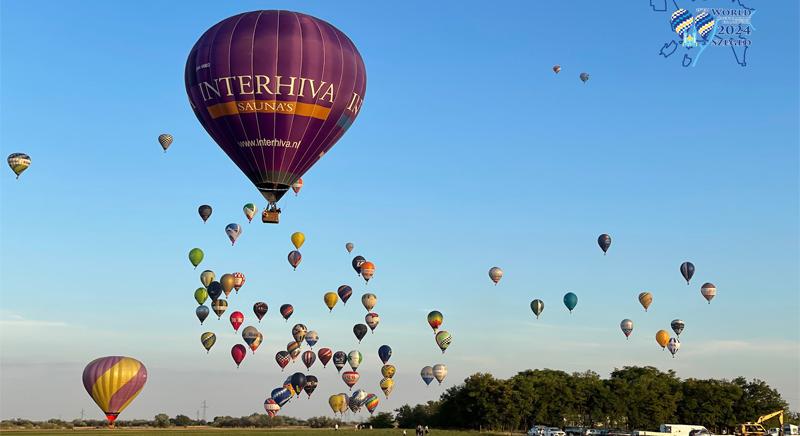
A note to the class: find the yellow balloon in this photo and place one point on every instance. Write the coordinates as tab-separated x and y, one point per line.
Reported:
387	385
298	238
645	298
331	299
227	281
662	337
336	402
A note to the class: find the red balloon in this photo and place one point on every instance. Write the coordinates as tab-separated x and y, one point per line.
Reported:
238	352
324	355
237	318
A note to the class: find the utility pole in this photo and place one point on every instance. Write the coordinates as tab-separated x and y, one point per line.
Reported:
204	407
82	414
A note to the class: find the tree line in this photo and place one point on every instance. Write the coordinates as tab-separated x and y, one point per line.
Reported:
632	398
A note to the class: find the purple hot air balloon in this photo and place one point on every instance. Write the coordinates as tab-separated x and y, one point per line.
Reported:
276	90
113	382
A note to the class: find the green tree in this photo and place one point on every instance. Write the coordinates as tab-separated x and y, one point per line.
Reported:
757	399
644	396
381	420
182	420
161	420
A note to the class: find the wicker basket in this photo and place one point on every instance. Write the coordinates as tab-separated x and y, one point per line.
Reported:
270	216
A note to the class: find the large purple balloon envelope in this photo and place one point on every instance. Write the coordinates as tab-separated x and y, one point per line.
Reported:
276	90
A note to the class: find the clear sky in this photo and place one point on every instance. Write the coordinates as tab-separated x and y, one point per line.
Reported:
468	153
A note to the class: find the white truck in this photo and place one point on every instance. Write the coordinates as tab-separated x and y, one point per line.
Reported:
675	430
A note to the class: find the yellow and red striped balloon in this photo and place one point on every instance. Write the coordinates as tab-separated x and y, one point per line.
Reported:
113	382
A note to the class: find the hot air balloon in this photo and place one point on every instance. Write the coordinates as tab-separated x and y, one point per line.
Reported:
256	342
309	358
249	334
206	277
673	346
372	320
311	385
443	340
371	403
360	330
677	326
349	247
260	309
584	77
681	21
350	378
208	339
205	212
570	300
556	69
709	291
324	355
367	270
237	318
439	372
645	299
662	337
272	408
282	358
298	238
227	282
281	395
384	353
238	281
386	384
339	359
312	338
202	313
627	327
435	319
335	401
299	332
165	139
233	231
294	350
604	241
298	382
330	299
344	292
275	119
113	382
195	256
388	371
219	307
687	271
704	23
294	258
214	290
354	359
354	404
537	306
286	311
495	273
427	374
297	186
19	162
250	210
200	295
369	301
238	353
357	262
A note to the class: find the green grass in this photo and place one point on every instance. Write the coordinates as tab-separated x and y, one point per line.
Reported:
234	431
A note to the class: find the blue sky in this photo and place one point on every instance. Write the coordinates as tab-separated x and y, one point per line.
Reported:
468	153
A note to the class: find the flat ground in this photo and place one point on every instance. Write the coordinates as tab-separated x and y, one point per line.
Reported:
232	432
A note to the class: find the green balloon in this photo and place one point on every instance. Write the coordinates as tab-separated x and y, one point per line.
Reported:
201	295
195	256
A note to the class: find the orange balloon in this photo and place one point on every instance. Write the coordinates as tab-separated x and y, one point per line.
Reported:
662	337
645	298
367	270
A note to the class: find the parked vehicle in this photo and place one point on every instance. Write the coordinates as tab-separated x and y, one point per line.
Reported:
594	432
674	430
554	431
537	430
750	429
790	430
574	431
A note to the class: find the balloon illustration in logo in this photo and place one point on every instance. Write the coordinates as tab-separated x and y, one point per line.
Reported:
704	23
681	20
276	90
113	382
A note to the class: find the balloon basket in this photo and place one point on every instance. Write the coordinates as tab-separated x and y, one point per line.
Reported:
271	216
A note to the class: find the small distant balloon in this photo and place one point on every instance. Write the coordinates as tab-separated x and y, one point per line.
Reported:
645	299
214	290
570	300
208	339
427	374
350	378
236	318
250	210
354	359
662	337
324	355
260	309
537	306
202	313
439	372
297	186
357	262
344	292
312	338
282	358
367	270
238	353
604	241
369	301
249	335
200	295
443	340
196	256
233	231
435	319
206	277
387	384
165	139
384	353
556	69
219	307
371	403
227	281
677	326
388	371
339	360
709	291
495	273
687	271
298	382
627	327
673	346
309	358
238	281
286	311
205	212
298	238
349	247
584	77
19	162
311	385
360	330
294	258
271	407
299	332
372	320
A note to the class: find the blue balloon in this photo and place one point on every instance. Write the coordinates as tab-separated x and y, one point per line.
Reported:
202	313
704	23
570	300
281	395
384	353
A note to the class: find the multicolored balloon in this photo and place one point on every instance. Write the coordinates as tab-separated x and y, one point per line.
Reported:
208	339
165	139
388	371
260	309
709	291
687	271
662	337
202	313
238	353
367	271
205	212
312	338
294	350
435	319
495	274
294	258
384	353
219	307
200	295
195	256
339	360
298	239
299	332
354	359
256	342
372	320
238	281
297	186
677	326
427	374
298	382
271	407
645	299
443	340
344	292
250	335
233	231
537	306
369	301
324	355
206	277
281	395
250	210
704	23
282	358
387	384
371	403
236	318
311	385
439	372
286	311
681	20
330	299
350	378
113	382
627	327
19	162
570	300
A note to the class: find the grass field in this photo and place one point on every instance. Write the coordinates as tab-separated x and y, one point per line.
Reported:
233	432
